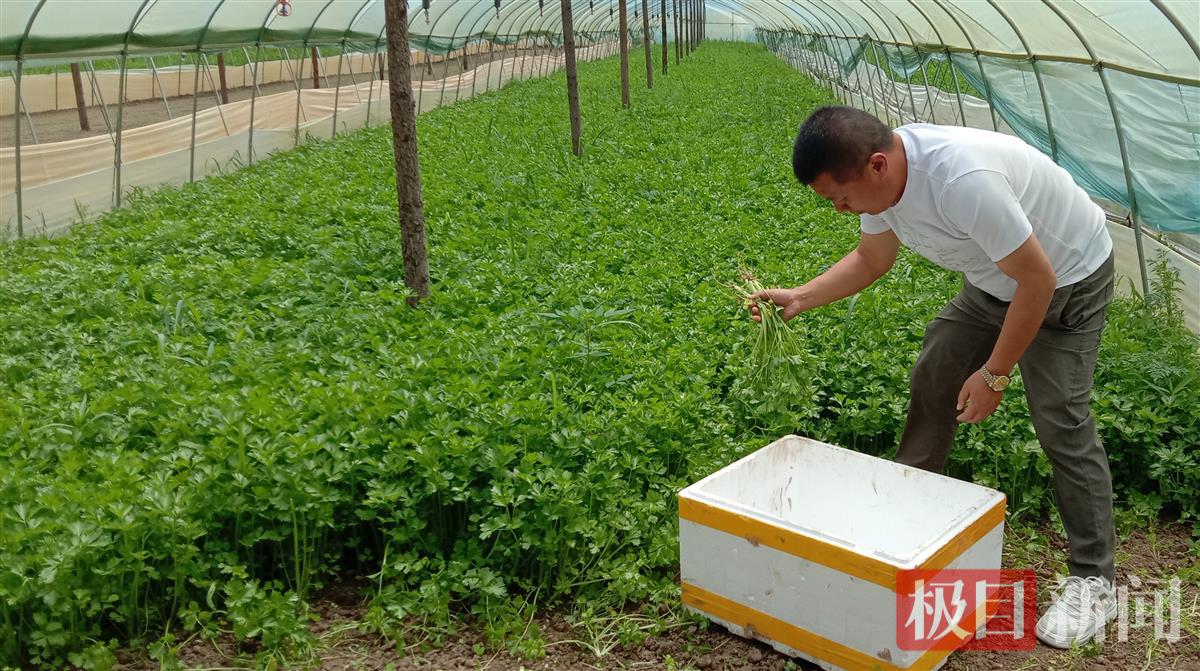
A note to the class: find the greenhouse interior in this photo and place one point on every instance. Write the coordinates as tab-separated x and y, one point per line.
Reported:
492	364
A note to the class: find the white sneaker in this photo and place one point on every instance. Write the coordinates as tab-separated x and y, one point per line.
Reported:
1082	608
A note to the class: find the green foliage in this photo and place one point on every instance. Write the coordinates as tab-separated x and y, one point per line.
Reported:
1145	399
215	398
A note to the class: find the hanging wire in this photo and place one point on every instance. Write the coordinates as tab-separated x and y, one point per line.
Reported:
425	9
497	9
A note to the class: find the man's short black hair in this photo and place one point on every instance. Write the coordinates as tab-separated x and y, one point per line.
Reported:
838	140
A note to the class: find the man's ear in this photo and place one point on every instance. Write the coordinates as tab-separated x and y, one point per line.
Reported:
877	164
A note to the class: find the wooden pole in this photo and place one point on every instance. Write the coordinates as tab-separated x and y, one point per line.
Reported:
221	76
663	17
675	18
316	69
690	16
624	27
568	27
404	138
77	79
646	44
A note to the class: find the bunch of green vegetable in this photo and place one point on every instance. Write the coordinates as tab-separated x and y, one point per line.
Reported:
777	349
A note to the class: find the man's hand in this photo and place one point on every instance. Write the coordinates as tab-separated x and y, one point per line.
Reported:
976	400
788	299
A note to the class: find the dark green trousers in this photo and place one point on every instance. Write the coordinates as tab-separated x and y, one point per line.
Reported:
1056	372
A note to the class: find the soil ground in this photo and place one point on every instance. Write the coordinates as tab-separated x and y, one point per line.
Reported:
60	125
676	641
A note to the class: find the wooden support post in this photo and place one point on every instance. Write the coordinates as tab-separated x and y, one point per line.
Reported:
675	18
404	139
316	69
568	27
624	28
80	105
646	44
663	19
221	77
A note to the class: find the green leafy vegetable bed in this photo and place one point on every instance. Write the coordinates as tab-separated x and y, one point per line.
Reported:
215	398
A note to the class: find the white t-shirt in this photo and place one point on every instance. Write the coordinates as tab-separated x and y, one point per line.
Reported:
974	196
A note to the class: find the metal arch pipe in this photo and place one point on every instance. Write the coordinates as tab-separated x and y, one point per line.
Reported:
337	90
195	109
529	22
446	72
1037	74
595	22
836	66
311	27
529	16
580	24
552	24
254	74
299	74
962	112
121	100
357	15
580	3
204	30
834	13
735	7
525	14
987	86
599	28
1051	58
491	54
1183	32
895	85
496	33
487	17
774	29
539	30
17	144
1112	106
362	9
19	50
917	50
341	55
17	115
587	28
879	68
831	62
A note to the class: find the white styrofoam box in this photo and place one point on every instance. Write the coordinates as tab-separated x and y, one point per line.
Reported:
800	543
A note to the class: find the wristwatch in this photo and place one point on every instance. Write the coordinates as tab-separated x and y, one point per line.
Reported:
994	382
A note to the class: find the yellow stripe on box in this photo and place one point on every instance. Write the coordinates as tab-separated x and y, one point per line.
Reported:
760	625
967	537
877	571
